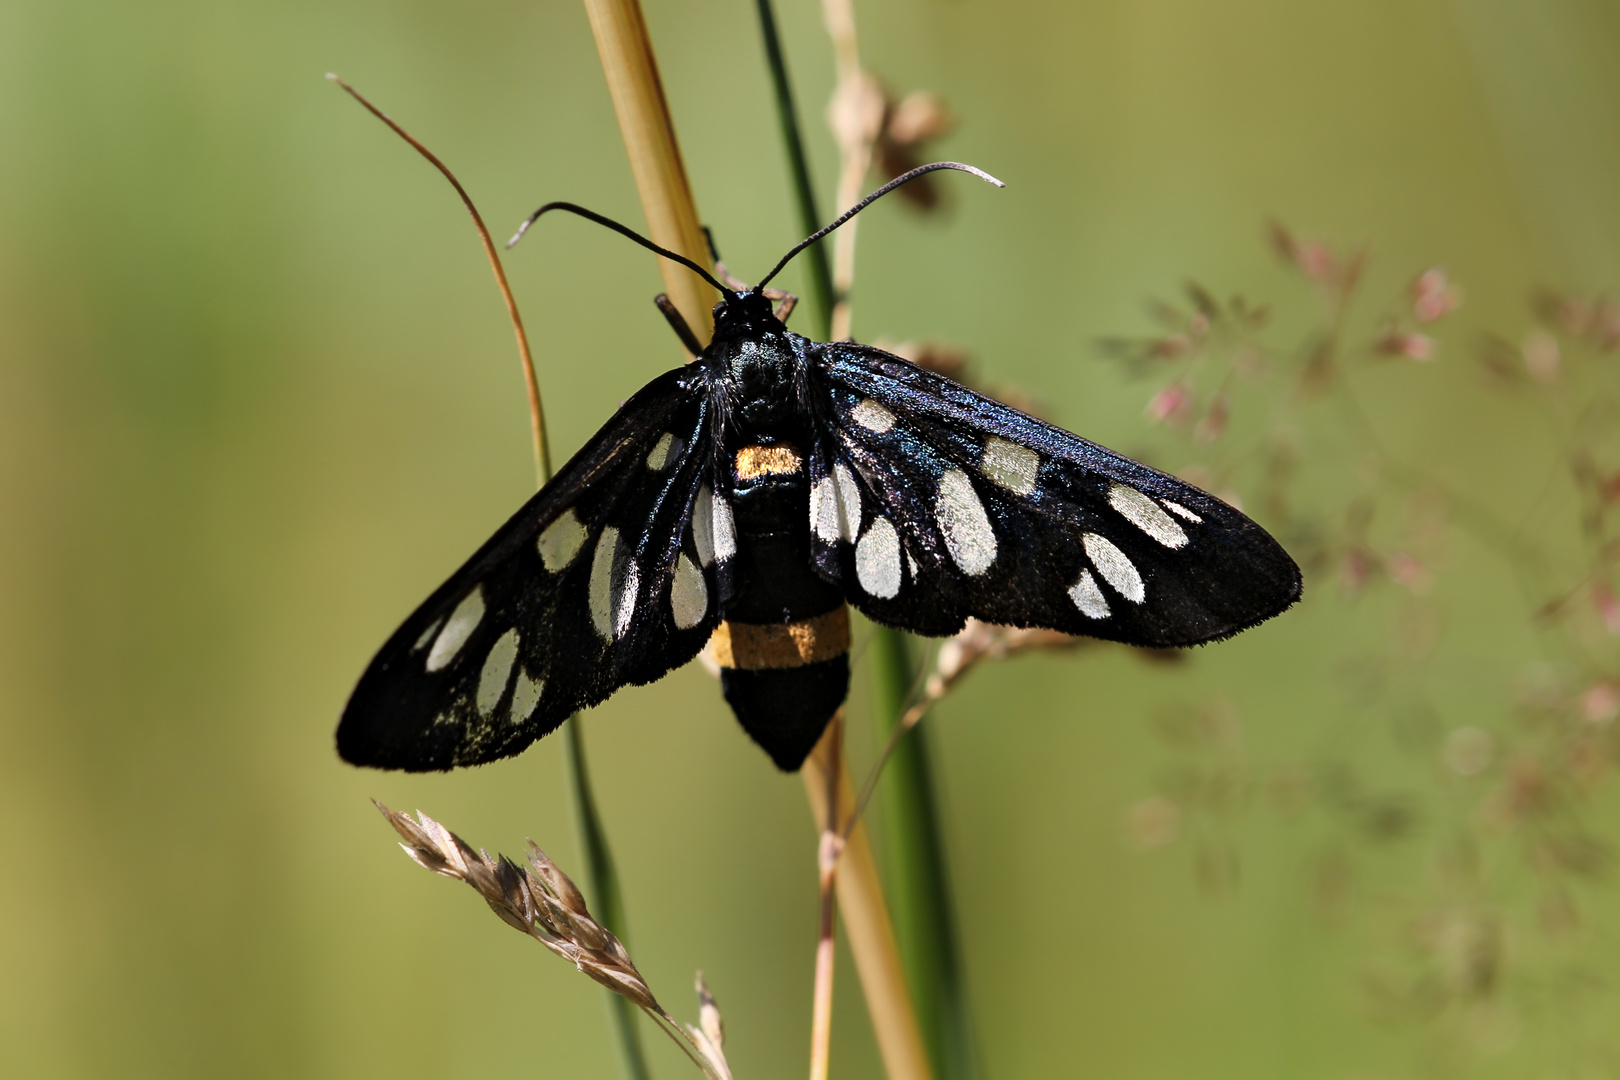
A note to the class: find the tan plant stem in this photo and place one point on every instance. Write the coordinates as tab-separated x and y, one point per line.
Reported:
672	221
866	918
827	853
537	416
638	98
856	115
655	156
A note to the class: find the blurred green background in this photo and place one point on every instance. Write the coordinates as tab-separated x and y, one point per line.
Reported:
258	396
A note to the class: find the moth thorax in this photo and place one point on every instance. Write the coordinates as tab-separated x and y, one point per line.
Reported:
779	459
759	647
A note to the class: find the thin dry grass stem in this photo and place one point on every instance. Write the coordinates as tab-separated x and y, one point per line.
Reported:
866	919
539	900
871	129
537	417
856	115
827	854
977	641
655	156
627	59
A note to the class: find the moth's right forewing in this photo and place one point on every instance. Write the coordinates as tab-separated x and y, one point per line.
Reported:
598	581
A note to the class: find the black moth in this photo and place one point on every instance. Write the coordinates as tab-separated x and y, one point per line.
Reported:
746	497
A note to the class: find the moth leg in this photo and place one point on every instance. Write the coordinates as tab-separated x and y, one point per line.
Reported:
677	323
785	302
726	276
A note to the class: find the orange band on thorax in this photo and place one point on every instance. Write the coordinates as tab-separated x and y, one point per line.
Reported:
778	460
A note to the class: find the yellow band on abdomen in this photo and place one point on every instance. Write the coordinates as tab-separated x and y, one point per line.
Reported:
752	646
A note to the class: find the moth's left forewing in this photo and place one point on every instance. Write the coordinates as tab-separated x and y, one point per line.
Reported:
1011	520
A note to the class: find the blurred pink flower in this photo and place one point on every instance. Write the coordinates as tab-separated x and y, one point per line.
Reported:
1575	315
1354	570
1608	608
1601	702
1609	488
1169	348
1315	260
1434	296
1407	572
1214	421
1541	356
1170	405
1412	346
1607	319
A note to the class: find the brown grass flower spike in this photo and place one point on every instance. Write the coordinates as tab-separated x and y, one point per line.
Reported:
543	902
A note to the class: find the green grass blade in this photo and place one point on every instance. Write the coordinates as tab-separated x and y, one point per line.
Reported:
606	899
804	194
919	882
917	872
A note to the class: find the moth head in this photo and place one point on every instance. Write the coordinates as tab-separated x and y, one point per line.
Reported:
744	311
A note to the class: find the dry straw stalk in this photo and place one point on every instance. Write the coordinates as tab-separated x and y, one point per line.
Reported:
655	156
649	135
866	923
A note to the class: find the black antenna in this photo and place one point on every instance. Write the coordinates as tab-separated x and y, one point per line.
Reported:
868	201
624	230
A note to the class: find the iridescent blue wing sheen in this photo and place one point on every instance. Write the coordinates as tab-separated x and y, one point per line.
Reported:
610	575
931	503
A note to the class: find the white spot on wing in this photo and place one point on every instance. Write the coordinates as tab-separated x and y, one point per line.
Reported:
626	583
688	595
1182	512
1146	515
497	671
849	502
463	621
1010	465
1088	597
525	696
561	540
703	525
427	635
962	519
601	591
877	560
666	447
824	509
725	533
872	416
1115	567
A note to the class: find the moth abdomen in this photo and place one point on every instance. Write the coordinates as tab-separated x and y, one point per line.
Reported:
783	647
785	681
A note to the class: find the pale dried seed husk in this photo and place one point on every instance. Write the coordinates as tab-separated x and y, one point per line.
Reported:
709	1014
558	882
